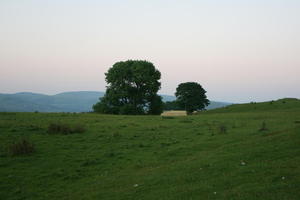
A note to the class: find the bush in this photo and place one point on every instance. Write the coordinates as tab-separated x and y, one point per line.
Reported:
57	128
116	135
263	127
22	147
222	128
78	129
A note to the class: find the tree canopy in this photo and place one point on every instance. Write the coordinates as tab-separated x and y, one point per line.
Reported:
191	96
132	89
172	105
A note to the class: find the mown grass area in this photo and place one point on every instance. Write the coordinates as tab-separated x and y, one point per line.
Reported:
213	155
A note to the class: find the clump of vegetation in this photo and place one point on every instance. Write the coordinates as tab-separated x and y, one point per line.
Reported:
263	127
22	147
78	129
223	129
59	128
116	135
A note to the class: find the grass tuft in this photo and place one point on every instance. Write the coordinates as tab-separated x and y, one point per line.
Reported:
222	129
263	127
21	147
58	128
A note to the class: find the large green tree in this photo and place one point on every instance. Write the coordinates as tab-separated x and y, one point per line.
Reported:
132	89
191	96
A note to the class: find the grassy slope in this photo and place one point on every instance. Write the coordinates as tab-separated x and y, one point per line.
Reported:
273	106
180	158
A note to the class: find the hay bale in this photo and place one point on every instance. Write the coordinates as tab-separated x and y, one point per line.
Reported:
174	113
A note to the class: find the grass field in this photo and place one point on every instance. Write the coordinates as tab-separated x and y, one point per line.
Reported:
249	151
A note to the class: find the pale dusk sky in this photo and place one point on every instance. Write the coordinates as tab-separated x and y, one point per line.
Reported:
238	50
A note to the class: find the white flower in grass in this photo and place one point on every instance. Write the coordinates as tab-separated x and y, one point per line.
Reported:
283	178
135	185
243	163
215	193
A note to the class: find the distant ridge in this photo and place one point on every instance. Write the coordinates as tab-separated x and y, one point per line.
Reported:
81	101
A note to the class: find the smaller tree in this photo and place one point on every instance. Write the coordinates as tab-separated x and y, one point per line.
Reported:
191	96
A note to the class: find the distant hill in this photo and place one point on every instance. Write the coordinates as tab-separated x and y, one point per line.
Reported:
217	104
63	102
81	101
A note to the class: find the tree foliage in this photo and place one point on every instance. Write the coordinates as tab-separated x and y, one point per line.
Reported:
172	105
132	89
191	96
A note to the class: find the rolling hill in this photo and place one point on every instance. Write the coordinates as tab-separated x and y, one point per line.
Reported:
63	102
81	101
281	104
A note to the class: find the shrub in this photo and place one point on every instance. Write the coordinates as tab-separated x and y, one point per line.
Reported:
116	135
222	128
78	129
22	147
57	128
263	127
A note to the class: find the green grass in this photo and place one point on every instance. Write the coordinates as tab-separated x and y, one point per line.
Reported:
150	157
274	106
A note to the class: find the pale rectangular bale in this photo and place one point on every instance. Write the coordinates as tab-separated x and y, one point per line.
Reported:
174	113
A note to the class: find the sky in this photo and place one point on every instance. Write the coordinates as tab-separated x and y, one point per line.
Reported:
238	50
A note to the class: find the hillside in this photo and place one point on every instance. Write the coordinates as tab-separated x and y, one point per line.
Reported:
233	153
64	102
279	105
